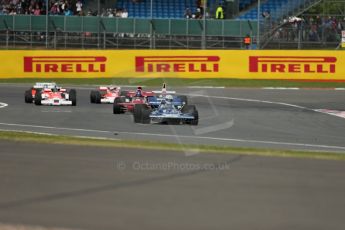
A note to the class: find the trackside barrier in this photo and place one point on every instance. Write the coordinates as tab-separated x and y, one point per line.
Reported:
243	64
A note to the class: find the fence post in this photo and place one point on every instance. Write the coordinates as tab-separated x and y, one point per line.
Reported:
101	24
7	38
258	27
47	6
152	38
7	32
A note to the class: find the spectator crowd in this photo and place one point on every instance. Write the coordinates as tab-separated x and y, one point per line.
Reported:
311	28
199	11
76	7
38	7
56	7
111	13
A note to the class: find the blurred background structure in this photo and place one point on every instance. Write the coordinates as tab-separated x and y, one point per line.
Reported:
171	24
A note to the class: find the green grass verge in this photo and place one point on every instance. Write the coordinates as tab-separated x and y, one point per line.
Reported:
182	82
67	140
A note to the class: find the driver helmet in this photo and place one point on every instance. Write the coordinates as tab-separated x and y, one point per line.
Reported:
112	87
169	98
138	93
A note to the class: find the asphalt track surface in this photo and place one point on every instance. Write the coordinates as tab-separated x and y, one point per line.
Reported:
228	117
78	187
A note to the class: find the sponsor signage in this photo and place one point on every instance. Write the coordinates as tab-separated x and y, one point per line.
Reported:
168	64
64	64
242	64
292	64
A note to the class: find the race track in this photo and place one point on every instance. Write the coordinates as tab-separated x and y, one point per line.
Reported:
83	187
67	187
290	119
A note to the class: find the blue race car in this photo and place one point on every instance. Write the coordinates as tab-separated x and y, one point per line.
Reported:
160	95
166	109
177	101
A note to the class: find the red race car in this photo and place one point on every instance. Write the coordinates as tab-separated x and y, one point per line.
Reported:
126	103
106	94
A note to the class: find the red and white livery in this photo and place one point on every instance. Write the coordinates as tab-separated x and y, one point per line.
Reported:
106	94
30	94
130	99
55	96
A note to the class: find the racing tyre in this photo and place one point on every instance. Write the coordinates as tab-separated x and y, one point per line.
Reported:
141	114
145	116
195	121
183	99
28	96
93	97
98	97
137	113
73	97
191	109
117	108
38	98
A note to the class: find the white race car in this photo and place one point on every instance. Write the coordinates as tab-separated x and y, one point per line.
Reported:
55	96
106	94
30	94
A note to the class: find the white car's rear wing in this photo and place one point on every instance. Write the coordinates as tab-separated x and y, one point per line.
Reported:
46	85
164	90
103	87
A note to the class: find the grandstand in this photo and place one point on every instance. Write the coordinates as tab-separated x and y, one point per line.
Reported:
248	9
244	4
165	26
160	9
277	9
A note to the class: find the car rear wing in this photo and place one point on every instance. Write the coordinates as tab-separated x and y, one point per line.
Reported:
156	101
103	87
164	90
47	85
144	93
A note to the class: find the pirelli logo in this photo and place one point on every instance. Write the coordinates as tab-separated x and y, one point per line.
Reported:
64	64
287	64
168	64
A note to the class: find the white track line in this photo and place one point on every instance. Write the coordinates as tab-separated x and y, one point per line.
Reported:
3	105
4	226
336	113
240	140
52	127
182	136
281	88
249	100
205	87
203	137
268	102
51	134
